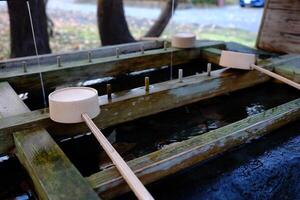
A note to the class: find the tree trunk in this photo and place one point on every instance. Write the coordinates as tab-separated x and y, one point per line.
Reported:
113	27
112	23
157	29
20	29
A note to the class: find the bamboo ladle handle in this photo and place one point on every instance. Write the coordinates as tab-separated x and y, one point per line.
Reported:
276	76
134	183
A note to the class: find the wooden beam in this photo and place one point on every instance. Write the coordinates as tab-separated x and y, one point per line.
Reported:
53	175
9	98
10	105
129	105
76	71
174	158
108	51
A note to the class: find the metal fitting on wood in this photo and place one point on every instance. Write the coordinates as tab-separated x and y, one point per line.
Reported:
117	52
208	69
58	59
165	45
24	64
108	90
147	82
180	75
90	56
142	49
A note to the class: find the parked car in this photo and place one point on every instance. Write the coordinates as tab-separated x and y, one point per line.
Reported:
253	3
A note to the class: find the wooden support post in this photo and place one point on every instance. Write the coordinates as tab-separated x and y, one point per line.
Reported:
130	105
53	175
171	159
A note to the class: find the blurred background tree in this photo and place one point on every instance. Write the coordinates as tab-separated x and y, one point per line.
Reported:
21	40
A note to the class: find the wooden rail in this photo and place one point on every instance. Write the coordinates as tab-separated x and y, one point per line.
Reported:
174	158
82	70
136	103
108	51
53	175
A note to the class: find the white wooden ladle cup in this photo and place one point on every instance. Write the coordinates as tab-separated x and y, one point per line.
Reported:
247	62
81	104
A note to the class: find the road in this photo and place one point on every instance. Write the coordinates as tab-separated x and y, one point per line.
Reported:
229	17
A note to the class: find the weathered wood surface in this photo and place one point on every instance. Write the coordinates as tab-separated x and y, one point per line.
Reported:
284	5
280	28
173	158
286	65
53	175
79	71
129	105
10	105
51	59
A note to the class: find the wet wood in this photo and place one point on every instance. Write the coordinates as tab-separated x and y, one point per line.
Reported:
53	175
133	104
51	59
174	158
10	105
80	71
280	28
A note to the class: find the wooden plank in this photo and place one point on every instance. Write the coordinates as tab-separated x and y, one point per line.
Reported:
280	29
133	104
78	71
53	175
107	51
10	105
174	158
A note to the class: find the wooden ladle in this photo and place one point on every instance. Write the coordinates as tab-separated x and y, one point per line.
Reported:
81	104
247	62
